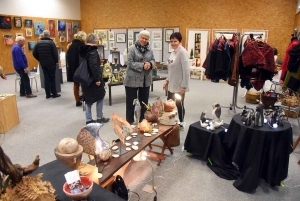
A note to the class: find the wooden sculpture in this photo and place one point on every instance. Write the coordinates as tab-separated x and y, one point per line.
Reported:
121	127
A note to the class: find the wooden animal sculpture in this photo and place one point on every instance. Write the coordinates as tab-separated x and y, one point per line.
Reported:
121	127
137	111
216	112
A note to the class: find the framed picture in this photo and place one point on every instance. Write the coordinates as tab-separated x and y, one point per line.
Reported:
101	34
170	48
75	27
112	35
168	33
27	23
105	44
61	25
130	43
121	38
69	31
39	27
5	22
156	35
111	44
156	45
28	32
18	22
51	27
31	45
136	36
130	34
8	39
19	34
62	39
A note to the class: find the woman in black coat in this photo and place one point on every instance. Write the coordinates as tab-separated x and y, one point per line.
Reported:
95	92
73	60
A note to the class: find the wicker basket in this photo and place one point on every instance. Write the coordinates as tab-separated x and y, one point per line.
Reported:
252	97
269	99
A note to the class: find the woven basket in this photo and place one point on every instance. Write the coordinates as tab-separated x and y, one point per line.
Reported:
292	101
252	97
269	99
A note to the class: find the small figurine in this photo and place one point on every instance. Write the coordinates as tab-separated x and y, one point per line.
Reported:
258	116
216	112
249	117
203	117
137	111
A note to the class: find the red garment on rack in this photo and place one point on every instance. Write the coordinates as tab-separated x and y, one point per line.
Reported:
234	76
287	57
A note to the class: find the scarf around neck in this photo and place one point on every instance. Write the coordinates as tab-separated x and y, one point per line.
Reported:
142	49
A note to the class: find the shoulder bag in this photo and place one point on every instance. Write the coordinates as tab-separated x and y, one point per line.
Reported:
82	74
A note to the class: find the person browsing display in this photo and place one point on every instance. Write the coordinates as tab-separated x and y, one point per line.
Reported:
178	74
138	74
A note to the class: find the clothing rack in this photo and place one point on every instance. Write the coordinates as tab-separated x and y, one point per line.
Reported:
234	105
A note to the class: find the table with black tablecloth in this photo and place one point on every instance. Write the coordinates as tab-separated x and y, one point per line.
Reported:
258	152
54	173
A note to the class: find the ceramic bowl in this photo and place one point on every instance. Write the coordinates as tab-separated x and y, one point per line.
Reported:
72	160
79	196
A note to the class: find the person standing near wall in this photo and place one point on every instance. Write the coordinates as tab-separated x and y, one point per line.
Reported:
73	61
46	53
138	74
95	92
21	66
178	74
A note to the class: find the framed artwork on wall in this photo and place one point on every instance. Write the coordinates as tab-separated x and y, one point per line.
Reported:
61	25
8	39
62	39
39	27
19	34
69	31
31	45
28	32
136	36
101	34
130	43
18	22
168	33
111	45
156	45
121	37
130	34
51	27
156	35
27	23
105	44
75	27
170	48
5	22
112	35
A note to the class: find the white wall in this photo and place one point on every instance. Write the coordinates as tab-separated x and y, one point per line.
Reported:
60	9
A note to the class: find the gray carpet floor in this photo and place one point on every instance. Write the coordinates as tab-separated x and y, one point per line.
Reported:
44	122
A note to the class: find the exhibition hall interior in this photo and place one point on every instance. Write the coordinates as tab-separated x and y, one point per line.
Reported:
200	100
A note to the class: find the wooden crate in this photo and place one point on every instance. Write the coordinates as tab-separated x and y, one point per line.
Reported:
9	116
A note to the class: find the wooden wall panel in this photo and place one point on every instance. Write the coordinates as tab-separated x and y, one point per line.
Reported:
5	50
277	16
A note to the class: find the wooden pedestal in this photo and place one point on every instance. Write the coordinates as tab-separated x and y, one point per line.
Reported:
9	116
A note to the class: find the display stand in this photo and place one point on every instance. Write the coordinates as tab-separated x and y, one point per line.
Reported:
115	55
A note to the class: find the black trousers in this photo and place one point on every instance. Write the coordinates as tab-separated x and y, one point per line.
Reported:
25	82
142	93
179	104
49	75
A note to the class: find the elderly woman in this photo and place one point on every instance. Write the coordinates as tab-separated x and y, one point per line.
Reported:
73	61
138	74
178	74
95	92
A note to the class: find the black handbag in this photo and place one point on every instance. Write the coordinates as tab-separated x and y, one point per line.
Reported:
119	188
82	74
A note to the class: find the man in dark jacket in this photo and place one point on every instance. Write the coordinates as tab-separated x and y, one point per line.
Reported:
46	53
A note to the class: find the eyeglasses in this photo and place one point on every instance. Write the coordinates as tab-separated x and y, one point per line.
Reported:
144	38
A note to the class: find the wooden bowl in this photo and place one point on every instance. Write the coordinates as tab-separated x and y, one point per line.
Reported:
79	196
71	160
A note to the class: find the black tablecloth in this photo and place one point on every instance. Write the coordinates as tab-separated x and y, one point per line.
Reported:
207	145
258	152
54	172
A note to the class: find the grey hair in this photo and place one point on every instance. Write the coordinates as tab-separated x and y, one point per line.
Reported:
46	33
19	38
145	33
81	35
92	38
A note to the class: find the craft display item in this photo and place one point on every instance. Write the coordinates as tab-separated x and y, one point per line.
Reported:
121	127
216	112
107	71
291	101
157	107
137	111
252	97
169	105
83	188
145	126
269	99
148	115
